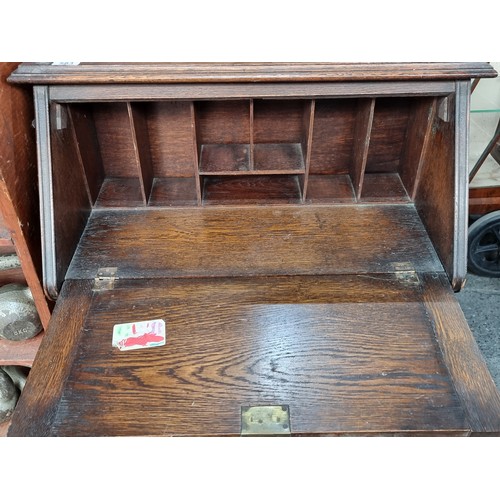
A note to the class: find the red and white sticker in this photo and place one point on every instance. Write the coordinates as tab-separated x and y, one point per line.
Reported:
139	335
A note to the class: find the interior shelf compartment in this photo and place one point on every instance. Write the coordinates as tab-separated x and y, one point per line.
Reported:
183	153
134	153
330	189
224	159
240	137
251	189
279	158
376	146
116	190
235	159
173	192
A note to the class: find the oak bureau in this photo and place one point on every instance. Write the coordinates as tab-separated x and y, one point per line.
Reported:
282	241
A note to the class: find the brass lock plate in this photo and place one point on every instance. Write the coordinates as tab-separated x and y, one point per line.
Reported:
265	420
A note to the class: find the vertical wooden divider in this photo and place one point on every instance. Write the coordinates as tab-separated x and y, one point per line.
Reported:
308	126
251	155
417	140
87	145
139	128
362	133
196	154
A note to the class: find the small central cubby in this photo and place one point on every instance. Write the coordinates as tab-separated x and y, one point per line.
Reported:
247	151
252	150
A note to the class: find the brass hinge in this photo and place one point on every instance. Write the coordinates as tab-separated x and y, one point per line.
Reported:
265	420
406	273
105	279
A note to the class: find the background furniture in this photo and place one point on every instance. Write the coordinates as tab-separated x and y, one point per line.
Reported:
19	210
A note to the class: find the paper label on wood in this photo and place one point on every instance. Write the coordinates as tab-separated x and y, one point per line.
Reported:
139	335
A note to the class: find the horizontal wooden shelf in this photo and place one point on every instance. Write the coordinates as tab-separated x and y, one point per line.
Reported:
238	159
330	188
173	192
115	191
252	189
383	188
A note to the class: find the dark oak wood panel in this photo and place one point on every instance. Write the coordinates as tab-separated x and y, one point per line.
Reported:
293	224
417	140
388	134
251	190
461	354
142	149
246	72
120	192
65	181
278	121
116	139
362	138
330	189
333	136
225	159
171	136
52	365
349	354
82	121
437	186
226	241
307	135
225	122
383	188
173	192
116	93
279	158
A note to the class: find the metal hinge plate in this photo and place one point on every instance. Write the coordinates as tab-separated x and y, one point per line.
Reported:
265	420
105	279
406	273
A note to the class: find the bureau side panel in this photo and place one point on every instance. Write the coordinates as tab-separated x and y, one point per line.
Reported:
64	202
441	197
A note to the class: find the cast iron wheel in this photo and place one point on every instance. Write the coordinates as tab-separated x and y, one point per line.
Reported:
484	246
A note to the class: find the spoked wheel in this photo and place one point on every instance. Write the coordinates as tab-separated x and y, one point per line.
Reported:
484	245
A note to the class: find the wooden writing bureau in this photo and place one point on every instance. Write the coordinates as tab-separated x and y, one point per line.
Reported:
300	228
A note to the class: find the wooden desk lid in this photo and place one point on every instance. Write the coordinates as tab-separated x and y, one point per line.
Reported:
346	354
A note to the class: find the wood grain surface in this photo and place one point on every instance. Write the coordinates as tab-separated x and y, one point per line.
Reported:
227	241
471	378
324	286
349	354
435	191
199	91
245	72
37	406
19	204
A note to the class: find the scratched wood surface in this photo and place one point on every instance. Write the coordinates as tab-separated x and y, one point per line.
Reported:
349	354
264	240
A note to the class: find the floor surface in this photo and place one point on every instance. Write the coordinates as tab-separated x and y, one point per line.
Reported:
480	302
